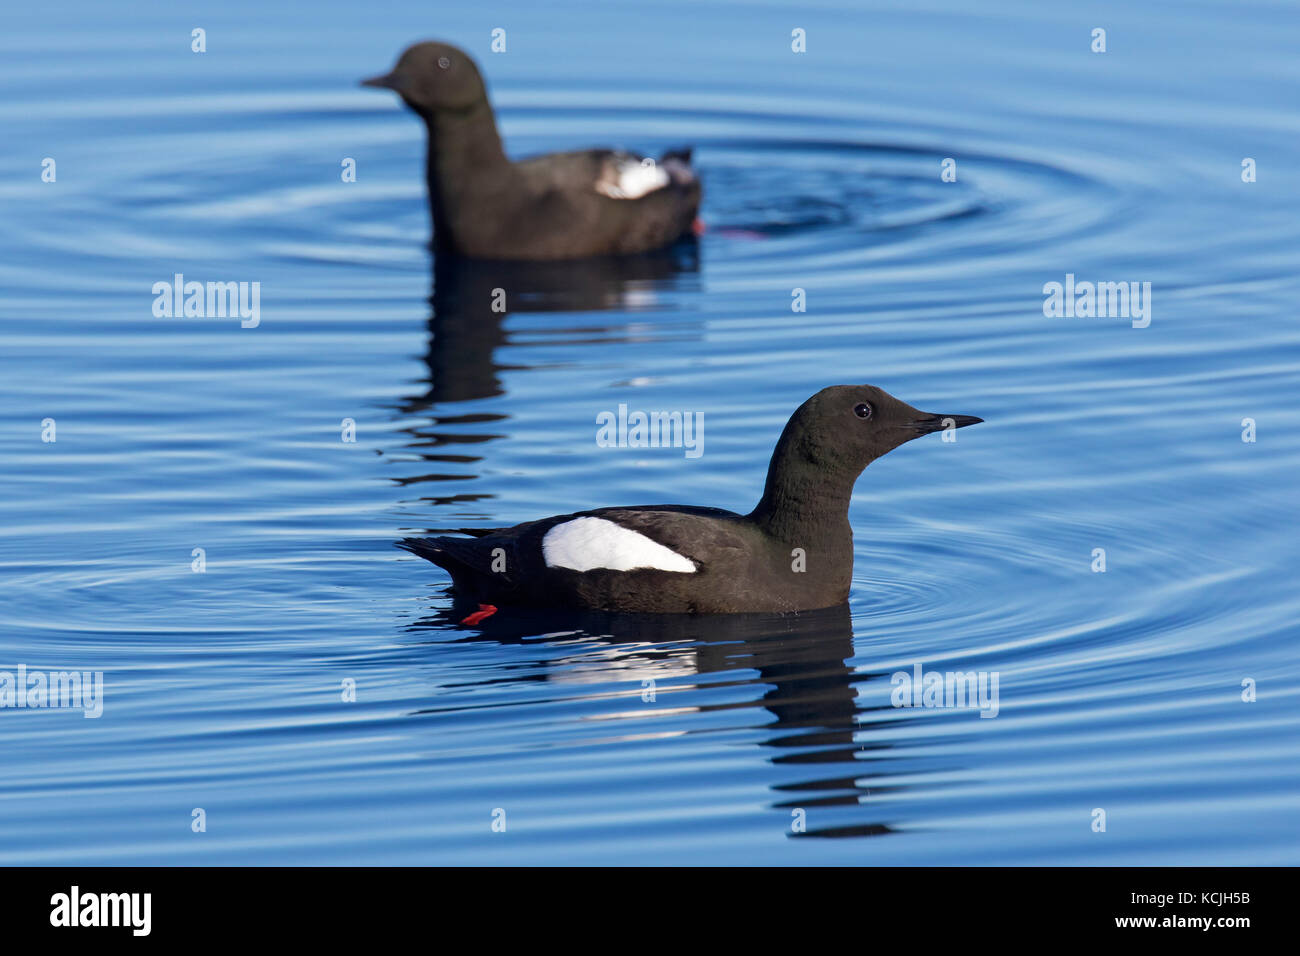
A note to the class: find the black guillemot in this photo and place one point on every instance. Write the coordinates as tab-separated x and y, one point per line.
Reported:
573	205
793	552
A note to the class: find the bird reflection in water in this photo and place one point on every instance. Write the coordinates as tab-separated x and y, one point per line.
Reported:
796	666
469	305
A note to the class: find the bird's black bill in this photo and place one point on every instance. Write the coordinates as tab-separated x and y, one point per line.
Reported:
937	423
386	81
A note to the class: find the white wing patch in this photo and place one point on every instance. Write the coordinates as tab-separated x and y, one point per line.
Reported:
627	177
585	544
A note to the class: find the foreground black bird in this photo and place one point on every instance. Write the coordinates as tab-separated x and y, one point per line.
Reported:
593	202
793	552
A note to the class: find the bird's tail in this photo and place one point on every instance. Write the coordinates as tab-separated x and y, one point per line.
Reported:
462	557
677	164
426	548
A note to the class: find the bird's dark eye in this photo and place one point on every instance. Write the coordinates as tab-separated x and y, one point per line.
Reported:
862	410
443	63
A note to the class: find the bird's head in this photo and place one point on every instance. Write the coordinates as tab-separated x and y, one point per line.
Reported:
434	77
844	428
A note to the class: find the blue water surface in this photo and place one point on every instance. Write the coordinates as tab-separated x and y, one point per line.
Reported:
747	740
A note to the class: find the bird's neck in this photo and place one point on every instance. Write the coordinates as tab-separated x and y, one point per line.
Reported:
466	166
805	502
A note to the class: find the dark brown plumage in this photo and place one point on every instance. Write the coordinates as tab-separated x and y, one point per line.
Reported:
571	205
736	563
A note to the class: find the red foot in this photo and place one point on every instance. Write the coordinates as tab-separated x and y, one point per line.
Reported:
698	226
484	612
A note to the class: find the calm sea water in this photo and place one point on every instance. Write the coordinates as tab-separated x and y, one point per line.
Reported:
767	740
